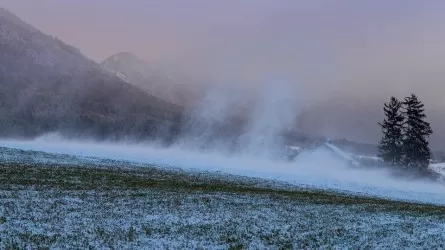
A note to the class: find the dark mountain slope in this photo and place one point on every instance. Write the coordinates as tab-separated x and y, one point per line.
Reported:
46	85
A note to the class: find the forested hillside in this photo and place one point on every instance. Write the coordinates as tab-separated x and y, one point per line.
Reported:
47	85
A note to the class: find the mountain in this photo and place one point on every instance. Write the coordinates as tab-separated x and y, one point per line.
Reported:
47	85
160	82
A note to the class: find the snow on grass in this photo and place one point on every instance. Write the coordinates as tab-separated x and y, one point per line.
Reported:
161	219
104	204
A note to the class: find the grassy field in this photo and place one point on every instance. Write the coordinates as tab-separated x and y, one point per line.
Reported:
56	201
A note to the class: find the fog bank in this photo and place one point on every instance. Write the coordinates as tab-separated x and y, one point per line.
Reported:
315	168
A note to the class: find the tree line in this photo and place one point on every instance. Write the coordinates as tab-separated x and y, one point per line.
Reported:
404	142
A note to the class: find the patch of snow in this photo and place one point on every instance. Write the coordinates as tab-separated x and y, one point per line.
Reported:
438	168
295	148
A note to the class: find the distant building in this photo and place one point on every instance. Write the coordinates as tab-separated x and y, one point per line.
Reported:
292	152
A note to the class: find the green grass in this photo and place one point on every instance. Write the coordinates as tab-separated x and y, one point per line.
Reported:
82	178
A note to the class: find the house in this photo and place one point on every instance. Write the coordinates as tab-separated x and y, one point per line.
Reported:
293	151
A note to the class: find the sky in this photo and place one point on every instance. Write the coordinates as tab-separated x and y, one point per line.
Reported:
364	48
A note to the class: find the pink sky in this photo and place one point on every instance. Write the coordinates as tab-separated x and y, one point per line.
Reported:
342	46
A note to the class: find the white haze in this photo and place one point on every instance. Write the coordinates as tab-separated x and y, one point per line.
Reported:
267	111
273	65
257	147
273	112
316	168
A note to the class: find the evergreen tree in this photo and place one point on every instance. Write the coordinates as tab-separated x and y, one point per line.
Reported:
415	144
390	146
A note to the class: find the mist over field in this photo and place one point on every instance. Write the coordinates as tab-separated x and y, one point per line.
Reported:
261	93
247	83
316	168
198	124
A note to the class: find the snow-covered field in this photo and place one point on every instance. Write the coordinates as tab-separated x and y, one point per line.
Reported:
149	198
160	219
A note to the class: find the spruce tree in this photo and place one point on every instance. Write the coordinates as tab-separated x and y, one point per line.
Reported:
415	144
390	146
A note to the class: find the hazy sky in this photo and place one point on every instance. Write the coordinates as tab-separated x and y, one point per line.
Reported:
323	47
